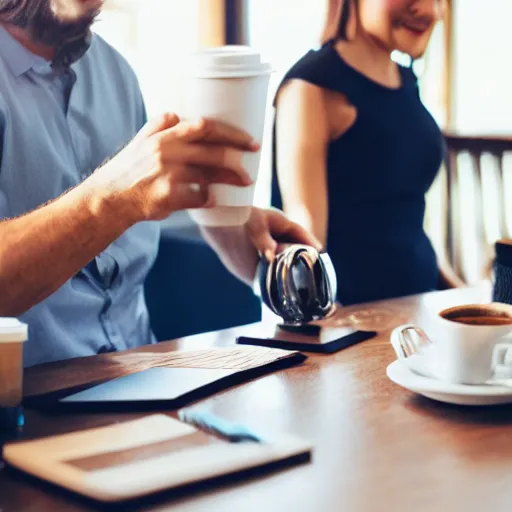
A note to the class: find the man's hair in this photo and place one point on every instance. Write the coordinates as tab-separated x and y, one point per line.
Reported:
19	12
36	17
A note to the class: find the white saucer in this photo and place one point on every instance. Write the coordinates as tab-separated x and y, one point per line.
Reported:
459	394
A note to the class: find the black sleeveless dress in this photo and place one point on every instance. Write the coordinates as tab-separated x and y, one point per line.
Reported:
377	173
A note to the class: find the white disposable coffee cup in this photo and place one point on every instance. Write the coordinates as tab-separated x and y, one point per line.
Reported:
229	83
13	334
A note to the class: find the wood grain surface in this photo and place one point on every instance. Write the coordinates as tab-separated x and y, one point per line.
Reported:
377	447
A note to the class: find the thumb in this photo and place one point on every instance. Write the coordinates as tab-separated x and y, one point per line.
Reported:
159	124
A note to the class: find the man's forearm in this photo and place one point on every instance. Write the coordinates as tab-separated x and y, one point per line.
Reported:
41	250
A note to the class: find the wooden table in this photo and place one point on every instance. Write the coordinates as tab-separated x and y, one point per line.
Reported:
377	447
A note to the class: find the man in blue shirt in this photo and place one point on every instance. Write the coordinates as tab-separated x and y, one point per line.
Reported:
84	178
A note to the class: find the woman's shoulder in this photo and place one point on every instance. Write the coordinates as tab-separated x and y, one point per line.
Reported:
316	68
315	64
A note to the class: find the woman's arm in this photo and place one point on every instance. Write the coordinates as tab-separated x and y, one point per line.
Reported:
308	119
302	138
448	278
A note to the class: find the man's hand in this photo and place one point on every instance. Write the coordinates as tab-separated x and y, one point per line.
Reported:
238	246
149	179
157	173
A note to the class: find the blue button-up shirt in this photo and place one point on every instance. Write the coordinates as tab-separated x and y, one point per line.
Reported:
56	127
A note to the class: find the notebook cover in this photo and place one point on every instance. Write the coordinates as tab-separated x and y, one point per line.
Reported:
72	375
129	460
182	386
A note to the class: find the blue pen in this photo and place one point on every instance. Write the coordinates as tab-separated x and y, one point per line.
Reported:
209	422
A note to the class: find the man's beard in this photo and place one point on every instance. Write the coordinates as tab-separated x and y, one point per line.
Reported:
38	19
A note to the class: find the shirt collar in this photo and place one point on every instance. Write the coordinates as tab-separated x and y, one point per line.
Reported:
18	58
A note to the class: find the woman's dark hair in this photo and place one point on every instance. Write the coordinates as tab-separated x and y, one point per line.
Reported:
336	19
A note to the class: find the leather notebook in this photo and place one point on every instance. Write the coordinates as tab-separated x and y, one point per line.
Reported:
132	459
171	380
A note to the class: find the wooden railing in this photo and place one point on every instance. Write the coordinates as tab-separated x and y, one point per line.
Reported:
477	186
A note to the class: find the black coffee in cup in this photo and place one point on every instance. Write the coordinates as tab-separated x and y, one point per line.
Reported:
479	314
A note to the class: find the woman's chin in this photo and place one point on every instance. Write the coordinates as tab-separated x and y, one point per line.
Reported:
413	45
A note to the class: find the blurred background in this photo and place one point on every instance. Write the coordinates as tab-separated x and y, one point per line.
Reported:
464	79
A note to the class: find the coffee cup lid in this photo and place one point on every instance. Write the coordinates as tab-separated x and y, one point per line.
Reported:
231	61
11	329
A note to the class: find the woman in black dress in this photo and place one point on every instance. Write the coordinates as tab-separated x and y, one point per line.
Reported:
355	150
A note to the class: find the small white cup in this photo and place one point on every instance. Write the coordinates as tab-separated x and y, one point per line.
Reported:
12	335
468	342
230	84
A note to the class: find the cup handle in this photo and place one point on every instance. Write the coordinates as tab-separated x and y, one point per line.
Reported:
499	356
403	347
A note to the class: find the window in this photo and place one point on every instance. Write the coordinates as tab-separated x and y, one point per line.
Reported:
430	71
482	73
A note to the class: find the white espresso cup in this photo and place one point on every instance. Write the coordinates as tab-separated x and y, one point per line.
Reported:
230	84
467	344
